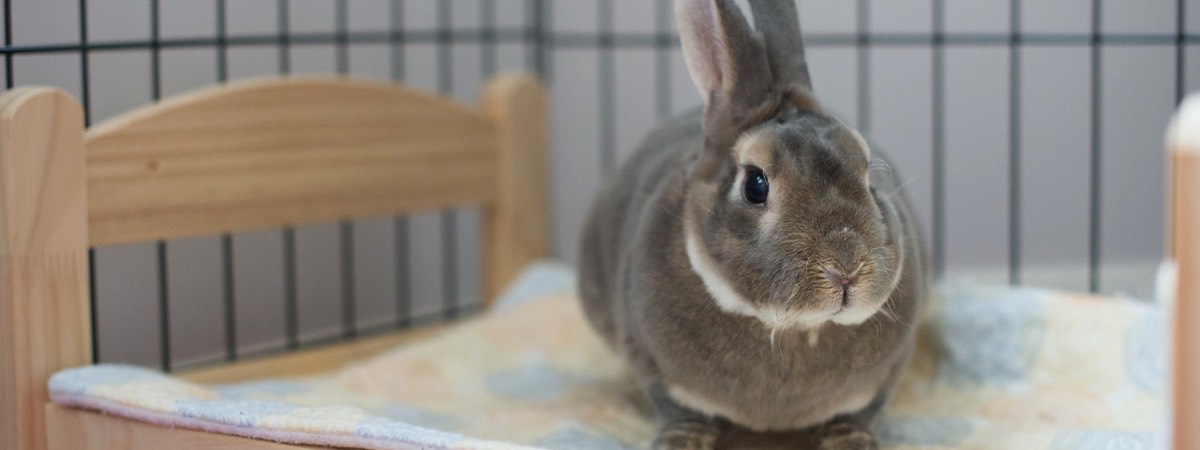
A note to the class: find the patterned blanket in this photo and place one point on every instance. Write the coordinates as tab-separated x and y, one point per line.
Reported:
998	367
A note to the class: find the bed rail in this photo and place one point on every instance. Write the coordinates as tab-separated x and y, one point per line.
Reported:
282	152
44	317
1183	239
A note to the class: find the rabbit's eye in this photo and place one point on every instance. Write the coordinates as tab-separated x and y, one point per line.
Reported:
756	186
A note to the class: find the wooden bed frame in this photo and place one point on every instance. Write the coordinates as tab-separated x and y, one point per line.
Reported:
246	155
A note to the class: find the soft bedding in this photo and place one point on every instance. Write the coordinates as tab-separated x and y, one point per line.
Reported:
998	367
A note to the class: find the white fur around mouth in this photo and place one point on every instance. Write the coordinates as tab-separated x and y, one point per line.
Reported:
853	316
728	299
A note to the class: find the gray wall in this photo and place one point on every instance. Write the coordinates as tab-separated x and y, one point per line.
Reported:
604	98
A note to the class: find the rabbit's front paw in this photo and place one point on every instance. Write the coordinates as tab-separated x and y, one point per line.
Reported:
687	435
846	436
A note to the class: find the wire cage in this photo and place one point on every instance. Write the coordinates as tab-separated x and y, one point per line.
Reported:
1028	133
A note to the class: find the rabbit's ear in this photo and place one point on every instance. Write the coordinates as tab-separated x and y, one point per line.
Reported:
778	23
727	61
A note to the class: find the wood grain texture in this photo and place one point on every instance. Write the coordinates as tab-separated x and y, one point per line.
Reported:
44	317
516	228
78	429
280	152
308	362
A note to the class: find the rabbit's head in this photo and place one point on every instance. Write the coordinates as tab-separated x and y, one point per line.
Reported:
781	221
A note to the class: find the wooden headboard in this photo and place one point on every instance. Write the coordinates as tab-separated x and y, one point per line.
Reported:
247	155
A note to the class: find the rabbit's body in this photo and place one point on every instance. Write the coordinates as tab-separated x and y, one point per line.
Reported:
743	261
661	317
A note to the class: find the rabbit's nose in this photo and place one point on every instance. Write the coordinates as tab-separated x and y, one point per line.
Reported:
839	277
845	251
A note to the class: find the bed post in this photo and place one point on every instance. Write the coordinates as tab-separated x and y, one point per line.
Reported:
515	225
44	318
1183	240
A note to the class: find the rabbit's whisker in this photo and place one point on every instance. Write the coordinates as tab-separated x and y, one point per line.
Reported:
900	187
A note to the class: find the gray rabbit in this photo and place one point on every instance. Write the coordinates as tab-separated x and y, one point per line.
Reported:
744	264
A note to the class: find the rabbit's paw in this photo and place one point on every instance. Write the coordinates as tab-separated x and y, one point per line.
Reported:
687	435
846	436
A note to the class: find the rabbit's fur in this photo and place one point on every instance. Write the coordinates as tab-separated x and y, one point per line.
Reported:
797	313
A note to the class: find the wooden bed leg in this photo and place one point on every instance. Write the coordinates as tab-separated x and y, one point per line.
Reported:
44	318
515	225
1183	145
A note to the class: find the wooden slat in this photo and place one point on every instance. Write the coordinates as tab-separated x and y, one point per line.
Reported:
281	152
44	324
307	362
78	429
516	227
1184	202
